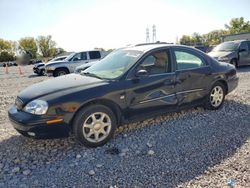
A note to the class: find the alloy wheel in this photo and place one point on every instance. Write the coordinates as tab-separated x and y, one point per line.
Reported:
97	127
61	73
216	96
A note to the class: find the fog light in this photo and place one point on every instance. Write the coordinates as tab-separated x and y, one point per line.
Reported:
31	134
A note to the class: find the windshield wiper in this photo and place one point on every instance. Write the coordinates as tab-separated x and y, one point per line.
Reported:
91	75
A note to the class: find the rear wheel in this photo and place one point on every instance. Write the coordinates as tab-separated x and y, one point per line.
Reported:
94	125
60	72
216	97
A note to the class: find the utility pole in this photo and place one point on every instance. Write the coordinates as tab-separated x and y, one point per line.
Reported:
154	33
147	35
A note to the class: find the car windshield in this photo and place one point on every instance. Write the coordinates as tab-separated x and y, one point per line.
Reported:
114	65
226	46
70	57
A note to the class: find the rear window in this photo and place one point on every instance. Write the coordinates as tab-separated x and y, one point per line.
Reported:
94	55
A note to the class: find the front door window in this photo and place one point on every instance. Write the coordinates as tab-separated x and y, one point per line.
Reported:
156	63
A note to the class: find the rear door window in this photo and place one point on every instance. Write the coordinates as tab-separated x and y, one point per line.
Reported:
94	55
187	60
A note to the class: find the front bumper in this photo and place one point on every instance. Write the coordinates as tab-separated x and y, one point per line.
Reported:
35	125
38	70
224	60
35	70
232	83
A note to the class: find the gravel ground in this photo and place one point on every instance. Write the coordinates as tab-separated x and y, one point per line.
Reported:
191	148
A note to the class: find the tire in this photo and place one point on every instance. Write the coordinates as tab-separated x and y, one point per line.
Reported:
217	93
94	125
234	62
41	72
60	72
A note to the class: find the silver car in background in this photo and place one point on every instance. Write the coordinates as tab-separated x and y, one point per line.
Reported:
234	52
71	62
39	68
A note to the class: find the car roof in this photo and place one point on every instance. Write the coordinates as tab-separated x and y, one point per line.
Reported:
150	46
89	51
236	41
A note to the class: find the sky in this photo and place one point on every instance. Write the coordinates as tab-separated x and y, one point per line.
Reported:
78	25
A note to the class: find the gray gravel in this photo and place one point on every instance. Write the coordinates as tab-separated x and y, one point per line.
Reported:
191	148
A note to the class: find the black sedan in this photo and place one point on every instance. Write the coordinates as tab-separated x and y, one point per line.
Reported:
131	83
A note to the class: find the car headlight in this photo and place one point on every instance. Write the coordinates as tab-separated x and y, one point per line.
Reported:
223	58
48	67
37	107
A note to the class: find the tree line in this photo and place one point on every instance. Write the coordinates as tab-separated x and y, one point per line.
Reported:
236	25
29	48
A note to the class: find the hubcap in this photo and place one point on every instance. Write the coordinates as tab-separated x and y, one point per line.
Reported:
61	73
97	127
216	96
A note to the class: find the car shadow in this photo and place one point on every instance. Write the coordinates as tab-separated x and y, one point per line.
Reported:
186	144
35	75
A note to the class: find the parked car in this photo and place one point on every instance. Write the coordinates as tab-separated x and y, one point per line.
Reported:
69	65
233	52
10	63
131	83
34	61
39	68
202	48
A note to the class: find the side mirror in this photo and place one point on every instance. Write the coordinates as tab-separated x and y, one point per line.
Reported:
141	73
75	59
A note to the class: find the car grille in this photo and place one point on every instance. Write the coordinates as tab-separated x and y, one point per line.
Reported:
19	103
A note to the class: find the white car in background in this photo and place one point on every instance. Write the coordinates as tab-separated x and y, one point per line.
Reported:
39	68
74	60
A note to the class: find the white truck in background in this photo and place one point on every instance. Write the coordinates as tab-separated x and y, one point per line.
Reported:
74	60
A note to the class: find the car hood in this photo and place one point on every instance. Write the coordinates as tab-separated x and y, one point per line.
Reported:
86	65
55	62
38	64
219	54
58	84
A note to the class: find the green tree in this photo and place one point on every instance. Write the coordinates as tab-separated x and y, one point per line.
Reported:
6	56
186	40
28	46
238	25
5	45
6	53
197	39
214	37
46	46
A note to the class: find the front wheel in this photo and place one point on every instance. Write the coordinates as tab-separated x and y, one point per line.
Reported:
94	125
216	97
60	72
